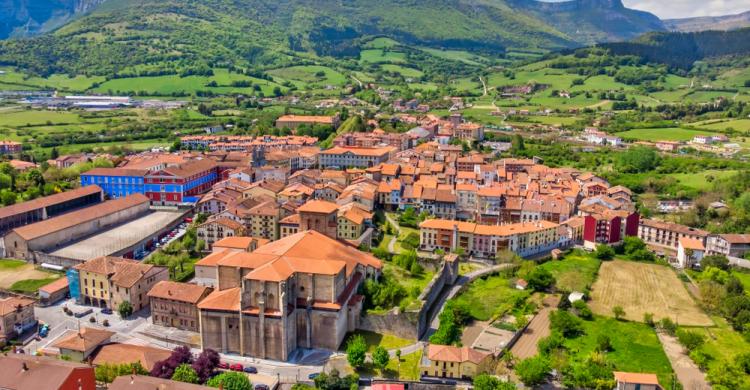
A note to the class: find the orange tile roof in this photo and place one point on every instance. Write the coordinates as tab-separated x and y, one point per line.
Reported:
306	118
370	152
83	340
41	372
447	353
692	243
122	272
488	230
181	292
213	259
224	300
117	353
56	224
11	304
57	285
46	201
636	378
318	206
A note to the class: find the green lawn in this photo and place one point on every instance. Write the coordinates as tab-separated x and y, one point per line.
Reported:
374	340
11	264
406	370
30	286
402	70
488	297
723	343
576	272
37	117
380	55
310	75
408	281
662	134
636	347
723	125
456	55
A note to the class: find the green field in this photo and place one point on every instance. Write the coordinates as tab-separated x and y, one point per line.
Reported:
456	55
402	70
722	343
380	55
13	80
37	117
575	272
170	84
413	284
374	340
700	181
662	134
722	125
636	347
30	286
309	76
489	297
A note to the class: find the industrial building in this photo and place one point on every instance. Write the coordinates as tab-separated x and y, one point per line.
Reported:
54	233
39	209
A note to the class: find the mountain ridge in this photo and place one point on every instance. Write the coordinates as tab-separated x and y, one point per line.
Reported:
703	23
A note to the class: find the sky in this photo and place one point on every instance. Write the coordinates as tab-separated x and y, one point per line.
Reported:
670	9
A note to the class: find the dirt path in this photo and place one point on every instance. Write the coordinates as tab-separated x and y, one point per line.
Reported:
687	372
24	272
538	328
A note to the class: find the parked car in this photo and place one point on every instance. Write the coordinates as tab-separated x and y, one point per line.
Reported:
236	367
106	310
313	376
261	386
224	365
250	370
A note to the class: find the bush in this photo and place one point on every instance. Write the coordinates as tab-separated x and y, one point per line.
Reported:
185	373
690	340
604	252
603	343
701	358
125	309
488	382
583	311
668	326
551	343
540	279
618	312
648	319
230	380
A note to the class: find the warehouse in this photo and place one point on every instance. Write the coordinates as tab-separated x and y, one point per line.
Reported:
123	240
39	209
54	233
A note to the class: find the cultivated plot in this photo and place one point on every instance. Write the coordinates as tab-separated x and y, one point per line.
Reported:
641	288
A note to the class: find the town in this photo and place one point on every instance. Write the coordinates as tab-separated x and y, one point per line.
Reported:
390	260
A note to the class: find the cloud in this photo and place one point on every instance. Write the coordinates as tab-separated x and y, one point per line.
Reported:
669	9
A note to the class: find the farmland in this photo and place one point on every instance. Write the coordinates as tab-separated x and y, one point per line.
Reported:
662	134
641	288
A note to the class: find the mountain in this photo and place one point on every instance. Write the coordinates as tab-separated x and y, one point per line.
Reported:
592	21
30	17
728	22
168	36
682	50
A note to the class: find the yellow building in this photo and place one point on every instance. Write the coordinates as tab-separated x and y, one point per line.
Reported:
264	220
445	361
109	281
352	222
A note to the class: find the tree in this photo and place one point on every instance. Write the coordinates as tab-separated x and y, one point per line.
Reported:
108	372
533	371
334	381
185	373
230	380
166	368
619	312
603	343
717	261
540	279
567	324
125	309
604	252
206	364
356	350
648	319
380	358
637	159
489	382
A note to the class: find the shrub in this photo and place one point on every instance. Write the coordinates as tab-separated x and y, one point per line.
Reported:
690	340
540	279
567	324
603	343
533	371
648	319
550	343
618	312
701	358
231	381
668	326
185	373
604	252
125	309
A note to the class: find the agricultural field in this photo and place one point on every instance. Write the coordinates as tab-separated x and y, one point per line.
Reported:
742	125
662	134
381	55
17	80
402	70
220	82
635	347
702	181
641	288
576	272
456	55
309	76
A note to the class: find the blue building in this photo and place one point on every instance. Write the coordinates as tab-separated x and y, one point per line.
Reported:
116	182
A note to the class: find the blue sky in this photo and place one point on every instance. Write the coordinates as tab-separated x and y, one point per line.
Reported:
667	9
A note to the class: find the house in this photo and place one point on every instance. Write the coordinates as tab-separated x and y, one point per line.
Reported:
118	354
668	146
216	229
24	372
666	235
16	316
175	304
10	147
109	281
289	226
295	121
690	251
636	381
352	222
444	361
54	292
345	157
734	245
78	345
